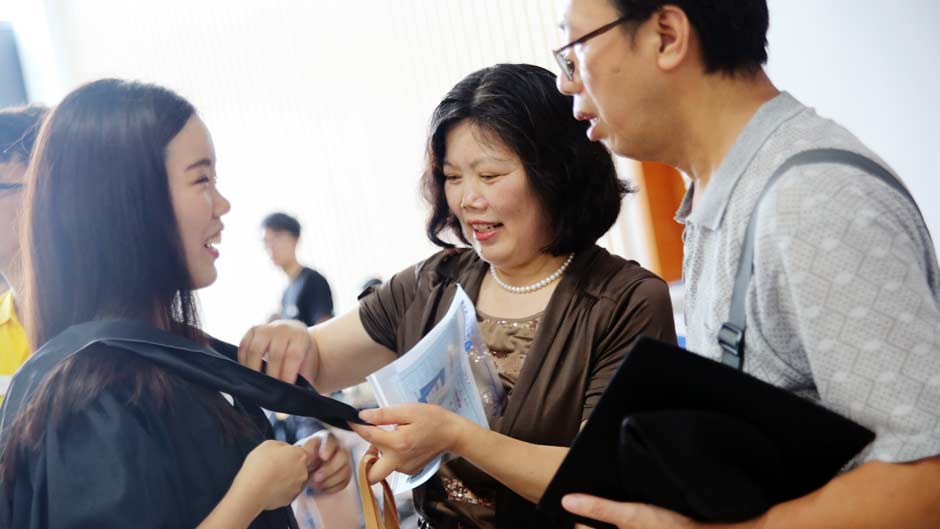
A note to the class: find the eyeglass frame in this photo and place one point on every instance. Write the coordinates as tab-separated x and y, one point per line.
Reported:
567	67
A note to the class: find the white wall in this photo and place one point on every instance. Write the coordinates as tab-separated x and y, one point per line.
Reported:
320	108
873	66
39	46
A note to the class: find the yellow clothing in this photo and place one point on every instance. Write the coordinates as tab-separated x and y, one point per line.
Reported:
14	347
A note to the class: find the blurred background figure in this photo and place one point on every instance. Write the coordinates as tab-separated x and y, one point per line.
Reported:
369	284
18	129
307	297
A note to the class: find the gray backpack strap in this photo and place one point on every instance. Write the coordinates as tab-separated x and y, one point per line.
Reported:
731	334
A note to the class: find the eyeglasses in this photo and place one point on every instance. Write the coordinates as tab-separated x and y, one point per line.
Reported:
567	66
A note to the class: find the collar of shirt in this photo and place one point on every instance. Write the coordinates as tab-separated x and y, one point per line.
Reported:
6	307
711	207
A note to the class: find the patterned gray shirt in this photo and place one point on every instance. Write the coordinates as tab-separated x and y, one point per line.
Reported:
844	306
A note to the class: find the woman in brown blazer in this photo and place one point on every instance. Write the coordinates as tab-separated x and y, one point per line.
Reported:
513	177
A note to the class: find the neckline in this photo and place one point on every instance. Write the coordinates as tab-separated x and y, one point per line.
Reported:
714	199
485	316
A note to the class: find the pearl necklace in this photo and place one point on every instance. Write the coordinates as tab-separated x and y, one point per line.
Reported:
534	286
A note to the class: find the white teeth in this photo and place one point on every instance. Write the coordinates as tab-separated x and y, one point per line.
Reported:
484	227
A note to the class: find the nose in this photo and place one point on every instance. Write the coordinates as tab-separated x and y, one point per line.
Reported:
572	86
471	196
564	85
221	205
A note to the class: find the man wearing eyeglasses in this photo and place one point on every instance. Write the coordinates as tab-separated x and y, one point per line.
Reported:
844	304
18	129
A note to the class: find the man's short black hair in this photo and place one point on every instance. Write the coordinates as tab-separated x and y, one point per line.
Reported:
19	127
733	33
282	222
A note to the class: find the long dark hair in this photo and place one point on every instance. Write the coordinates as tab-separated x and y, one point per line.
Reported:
100	241
97	206
519	106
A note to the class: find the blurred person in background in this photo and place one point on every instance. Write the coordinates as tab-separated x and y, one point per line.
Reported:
307	297
18	129
368	285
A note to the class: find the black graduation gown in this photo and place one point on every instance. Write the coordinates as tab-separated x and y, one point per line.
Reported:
114	465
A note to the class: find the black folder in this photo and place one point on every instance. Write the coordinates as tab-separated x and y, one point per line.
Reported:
689	434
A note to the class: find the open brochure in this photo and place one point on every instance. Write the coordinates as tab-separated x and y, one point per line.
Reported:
450	367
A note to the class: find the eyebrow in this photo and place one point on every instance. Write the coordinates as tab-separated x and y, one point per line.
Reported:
478	161
205	162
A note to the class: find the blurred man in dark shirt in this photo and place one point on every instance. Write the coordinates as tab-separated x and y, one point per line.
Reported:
307	297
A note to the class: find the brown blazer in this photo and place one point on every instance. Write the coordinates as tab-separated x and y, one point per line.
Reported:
602	304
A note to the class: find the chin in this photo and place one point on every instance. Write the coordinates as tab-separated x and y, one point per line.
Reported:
492	257
619	148
205	280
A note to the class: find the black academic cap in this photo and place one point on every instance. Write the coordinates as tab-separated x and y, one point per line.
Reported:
686	433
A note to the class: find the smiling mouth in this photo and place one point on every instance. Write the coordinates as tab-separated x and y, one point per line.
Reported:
212	242
483	232
486	228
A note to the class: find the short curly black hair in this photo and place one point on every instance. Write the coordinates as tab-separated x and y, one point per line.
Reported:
19	127
573	177
733	33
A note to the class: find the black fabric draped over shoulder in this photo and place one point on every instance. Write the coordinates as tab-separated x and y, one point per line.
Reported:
124	462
